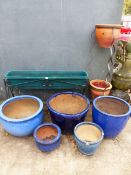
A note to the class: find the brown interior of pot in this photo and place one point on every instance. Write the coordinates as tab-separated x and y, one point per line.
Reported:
47	133
88	133
112	106
68	104
21	108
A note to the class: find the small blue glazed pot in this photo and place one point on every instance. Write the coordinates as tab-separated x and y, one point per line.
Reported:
25	126
112	125
50	145
67	122
85	147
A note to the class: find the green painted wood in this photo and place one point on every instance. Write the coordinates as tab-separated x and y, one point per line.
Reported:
47	79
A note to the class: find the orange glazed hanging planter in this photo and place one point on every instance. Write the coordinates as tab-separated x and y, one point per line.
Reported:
106	34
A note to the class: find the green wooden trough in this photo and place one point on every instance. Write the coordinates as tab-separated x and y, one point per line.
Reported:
47	80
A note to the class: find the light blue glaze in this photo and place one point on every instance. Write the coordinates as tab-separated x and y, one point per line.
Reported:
24	126
85	147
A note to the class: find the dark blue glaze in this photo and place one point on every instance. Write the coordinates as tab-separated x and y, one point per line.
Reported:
88	148
67	122
48	146
112	125
24	126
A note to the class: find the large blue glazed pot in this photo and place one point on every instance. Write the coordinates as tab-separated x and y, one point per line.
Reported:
88	147
52	144
112	125
67	122
24	126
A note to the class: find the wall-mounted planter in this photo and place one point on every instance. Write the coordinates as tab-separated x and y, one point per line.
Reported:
88	137
111	113
20	115
47	137
67	109
99	88
106	34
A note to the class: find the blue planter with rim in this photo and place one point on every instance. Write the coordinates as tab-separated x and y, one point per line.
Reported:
24	126
50	145
67	122
112	125
85	147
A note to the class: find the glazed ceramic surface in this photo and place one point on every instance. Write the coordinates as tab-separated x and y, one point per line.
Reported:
67	122
23	126
112	125
86	147
52	144
97	91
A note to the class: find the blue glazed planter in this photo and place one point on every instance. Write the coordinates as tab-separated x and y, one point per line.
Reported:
85	147
51	145
24	126
112	125
67	122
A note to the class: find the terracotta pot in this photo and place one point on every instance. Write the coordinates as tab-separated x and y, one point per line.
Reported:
99	91
106	34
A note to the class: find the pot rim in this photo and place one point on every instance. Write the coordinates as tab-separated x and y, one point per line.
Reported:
99	88
51	141
69	116
93	124
117	26
112	115
19	98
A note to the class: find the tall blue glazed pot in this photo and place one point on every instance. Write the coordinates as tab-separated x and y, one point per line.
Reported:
112	125
67	122
24	126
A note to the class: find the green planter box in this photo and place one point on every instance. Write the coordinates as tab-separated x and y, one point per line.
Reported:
48	80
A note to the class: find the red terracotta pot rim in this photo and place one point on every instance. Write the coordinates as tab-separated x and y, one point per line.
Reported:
117	26
99	88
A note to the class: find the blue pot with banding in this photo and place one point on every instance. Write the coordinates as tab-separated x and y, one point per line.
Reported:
88	137
20	115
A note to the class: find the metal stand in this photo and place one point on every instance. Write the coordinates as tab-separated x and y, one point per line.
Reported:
10	90
110	64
